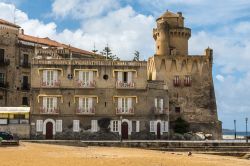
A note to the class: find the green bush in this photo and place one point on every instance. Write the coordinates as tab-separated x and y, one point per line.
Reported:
1	139
181	126
104	123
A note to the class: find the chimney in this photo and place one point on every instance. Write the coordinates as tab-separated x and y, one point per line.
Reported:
21	31
180	14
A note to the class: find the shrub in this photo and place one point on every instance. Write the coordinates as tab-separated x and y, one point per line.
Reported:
104	123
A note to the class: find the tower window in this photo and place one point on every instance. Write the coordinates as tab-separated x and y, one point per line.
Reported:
158	47
177	109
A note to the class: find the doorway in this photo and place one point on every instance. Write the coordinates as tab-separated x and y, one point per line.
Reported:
49	130
124	130
158	130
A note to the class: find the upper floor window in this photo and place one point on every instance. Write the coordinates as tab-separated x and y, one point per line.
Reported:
1	78
2	55
177	81
86	79
50	78
125	80
85	105
187	81
50	105
125	105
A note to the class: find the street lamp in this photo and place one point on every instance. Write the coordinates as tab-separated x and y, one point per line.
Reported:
234	129
246	130
120	128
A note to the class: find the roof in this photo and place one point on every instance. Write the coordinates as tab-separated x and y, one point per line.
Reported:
14	110
47	41
8	23
168	14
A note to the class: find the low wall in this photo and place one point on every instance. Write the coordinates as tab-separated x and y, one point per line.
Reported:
21	130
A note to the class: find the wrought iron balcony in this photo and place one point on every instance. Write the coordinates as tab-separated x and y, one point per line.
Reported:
125	85
88	84
4	62
160	111
49	111
51	84
125	111
88	111
25	87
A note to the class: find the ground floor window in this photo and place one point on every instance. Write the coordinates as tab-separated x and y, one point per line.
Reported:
76	127
114	125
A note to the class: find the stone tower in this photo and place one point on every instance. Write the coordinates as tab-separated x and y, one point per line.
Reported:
170	35
188	77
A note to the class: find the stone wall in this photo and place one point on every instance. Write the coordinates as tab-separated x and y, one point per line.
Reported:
20	130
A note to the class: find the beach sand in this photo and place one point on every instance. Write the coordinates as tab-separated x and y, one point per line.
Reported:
32	154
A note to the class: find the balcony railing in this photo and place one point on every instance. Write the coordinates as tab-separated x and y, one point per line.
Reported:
4	62
88	84
160	111
51	84
125	85
88	111
125	111
49	111
25	87
26	65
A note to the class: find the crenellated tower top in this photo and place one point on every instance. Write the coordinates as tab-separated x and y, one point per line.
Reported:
170	35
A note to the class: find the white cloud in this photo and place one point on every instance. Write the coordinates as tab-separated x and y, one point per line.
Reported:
220	78
79	9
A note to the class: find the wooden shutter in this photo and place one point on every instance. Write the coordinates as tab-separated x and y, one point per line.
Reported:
55	76
90	76
129	103
80	75
80	103
152	126
119	102
161	104
90	103
111	126
76	126
129	77
118	122
137	126
156	104
120	76
93	125
54	102
58	125
45	76
45	102
39	125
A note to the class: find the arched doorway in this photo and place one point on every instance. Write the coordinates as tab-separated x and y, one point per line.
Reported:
124	130
158	130
49	130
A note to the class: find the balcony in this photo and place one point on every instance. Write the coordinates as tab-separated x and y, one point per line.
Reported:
25	87
4	62
125	85
51	84
82	111
124	111
49	111
26	65
88	84
160	111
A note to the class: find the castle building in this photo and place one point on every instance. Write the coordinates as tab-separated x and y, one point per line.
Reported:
71	95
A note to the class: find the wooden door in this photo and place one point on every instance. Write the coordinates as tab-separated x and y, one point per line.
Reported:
49	130
124	130
158	130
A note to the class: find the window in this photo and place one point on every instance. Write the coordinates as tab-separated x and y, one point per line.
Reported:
1	78
1	97
76	127
187	81
124	77
86	76
94	126
114	125
165	126
50	77
25	101
50	103
159	103
58	125
133	126
177	81
124	104
39	125
1	55
25	59
177	109
85	103
152	126
19	116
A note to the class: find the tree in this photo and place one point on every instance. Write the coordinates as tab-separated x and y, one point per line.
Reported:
136	56
108	53
181	126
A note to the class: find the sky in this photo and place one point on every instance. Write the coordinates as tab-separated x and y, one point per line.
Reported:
126	25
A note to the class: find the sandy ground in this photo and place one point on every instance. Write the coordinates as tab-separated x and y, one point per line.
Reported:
31	154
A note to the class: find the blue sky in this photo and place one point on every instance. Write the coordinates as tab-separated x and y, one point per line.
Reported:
126	25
